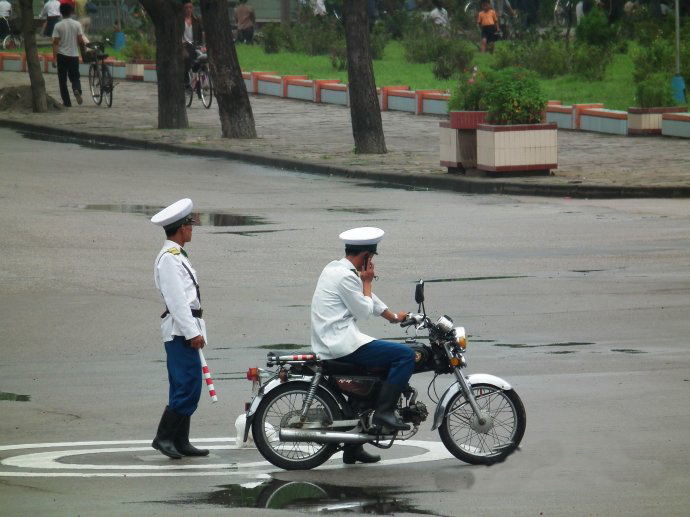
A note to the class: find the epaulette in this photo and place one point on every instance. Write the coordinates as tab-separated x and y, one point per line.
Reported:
173	251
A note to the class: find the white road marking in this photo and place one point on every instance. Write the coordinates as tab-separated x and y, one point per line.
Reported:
36	464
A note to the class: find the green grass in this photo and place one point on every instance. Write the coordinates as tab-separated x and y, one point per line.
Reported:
616	91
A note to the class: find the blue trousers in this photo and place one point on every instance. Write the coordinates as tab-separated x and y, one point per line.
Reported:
184	376
395	356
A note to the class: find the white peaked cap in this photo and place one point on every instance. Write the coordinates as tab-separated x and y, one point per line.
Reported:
176	212
364	236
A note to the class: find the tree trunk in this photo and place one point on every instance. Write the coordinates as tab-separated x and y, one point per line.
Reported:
236	117
365	112
168	19
38	84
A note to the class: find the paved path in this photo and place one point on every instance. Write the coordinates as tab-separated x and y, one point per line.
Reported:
318	138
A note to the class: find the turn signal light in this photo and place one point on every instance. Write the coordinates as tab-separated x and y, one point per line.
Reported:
462	342
455	362
253	374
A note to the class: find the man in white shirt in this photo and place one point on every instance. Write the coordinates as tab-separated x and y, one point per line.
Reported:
68	39
343	295
51	14
183	330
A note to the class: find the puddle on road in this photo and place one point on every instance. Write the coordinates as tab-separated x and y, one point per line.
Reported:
203	218
307	497
42	137
356	210
473	278
524	345
282	346
15	397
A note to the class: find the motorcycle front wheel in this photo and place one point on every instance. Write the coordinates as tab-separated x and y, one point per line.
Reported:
281	407
490	441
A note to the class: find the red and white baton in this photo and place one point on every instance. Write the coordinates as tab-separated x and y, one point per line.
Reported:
207	376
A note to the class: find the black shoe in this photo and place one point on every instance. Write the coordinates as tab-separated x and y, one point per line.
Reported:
385	415
167	429
182	440
355	453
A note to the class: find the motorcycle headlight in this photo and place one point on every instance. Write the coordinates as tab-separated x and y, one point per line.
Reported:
460	338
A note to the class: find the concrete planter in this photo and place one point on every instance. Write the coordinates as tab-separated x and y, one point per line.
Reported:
601	120
134	71
647	121
517	148
458	139
675	124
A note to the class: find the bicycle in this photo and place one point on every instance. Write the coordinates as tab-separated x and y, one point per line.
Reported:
200	79
13	38
100	77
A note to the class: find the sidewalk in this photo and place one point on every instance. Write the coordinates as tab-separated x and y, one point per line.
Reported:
318	138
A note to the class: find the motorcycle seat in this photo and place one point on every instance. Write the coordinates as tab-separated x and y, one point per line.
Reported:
334	366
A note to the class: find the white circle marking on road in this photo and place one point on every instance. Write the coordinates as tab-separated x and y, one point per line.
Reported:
35	464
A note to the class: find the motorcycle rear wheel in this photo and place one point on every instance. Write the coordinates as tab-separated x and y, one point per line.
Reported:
284	404
491	442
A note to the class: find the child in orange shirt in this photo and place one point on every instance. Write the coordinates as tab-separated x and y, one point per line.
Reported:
488	23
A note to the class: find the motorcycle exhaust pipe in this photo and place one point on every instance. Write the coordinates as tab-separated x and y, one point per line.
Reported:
310	435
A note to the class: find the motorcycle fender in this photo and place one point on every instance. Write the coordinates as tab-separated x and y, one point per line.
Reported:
477	378
274	383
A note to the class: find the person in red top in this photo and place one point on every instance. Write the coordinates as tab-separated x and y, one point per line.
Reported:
488	23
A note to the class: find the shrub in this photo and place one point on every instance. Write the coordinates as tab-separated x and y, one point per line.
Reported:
514	97
658	56
138	48
378	39
470	92
594	29
510	53
655	91
271	36
339	59
420	41
453	56
549	58
588	62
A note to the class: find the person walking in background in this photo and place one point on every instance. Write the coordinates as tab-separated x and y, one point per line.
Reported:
183	330
68	40
245	18
192	35
488	23
5	14
51	14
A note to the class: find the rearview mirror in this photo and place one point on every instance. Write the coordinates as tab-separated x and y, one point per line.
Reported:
419	292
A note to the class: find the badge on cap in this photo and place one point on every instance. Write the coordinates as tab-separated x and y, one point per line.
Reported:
177	214
362	239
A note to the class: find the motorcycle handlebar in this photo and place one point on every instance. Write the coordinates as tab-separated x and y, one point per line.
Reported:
407	322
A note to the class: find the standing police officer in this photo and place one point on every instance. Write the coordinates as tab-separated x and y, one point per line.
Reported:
343	296
182	330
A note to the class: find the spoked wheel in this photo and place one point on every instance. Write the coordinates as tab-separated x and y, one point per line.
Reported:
95	84
107	86
11	42
205	88
191	87
281	408
490	441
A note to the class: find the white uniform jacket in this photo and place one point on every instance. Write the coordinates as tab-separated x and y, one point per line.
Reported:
179	293
337	304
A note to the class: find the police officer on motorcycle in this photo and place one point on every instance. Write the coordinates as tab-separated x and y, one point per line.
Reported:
343	296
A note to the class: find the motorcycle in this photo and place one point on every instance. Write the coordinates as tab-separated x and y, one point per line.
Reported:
305	409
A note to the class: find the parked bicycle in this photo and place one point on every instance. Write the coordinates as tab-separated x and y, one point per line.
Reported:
100	77
200	79
13	33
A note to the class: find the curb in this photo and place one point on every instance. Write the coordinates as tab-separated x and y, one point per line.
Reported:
449	182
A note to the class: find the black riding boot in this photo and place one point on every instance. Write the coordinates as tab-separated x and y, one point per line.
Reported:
182	440
385	415
353	453
167	429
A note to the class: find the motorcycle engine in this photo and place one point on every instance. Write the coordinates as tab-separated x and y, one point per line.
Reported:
415	413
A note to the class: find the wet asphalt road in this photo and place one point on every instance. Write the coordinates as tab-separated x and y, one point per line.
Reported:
581	305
